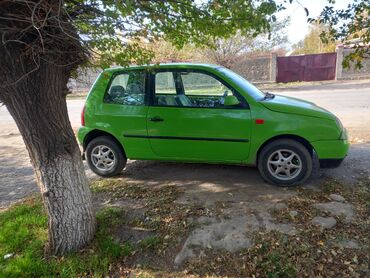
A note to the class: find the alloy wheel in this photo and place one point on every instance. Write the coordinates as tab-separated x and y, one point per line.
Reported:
103	158
284	164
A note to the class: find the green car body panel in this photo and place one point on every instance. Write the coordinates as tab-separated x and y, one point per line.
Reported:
211	135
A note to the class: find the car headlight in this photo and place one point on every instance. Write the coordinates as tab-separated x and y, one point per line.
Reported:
343	134
343	131
339	123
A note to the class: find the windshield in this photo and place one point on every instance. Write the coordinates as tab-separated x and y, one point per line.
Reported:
243	83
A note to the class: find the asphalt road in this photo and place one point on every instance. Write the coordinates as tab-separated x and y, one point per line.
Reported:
350	101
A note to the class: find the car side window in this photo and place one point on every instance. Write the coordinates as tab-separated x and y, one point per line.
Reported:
204	90
127	89
165	89
192	89
196	83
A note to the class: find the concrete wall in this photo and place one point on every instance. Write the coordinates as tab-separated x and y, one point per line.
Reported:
350	73
85	79
257	68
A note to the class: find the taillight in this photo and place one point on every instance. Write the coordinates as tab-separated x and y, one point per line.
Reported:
83	116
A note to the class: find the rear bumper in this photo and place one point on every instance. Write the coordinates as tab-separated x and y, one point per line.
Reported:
331	149
81	134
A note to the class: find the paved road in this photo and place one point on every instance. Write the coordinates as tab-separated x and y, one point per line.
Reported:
350	101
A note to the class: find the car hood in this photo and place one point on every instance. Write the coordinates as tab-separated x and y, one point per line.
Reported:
292	105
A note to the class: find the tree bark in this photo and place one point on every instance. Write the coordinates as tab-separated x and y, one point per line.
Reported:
38	106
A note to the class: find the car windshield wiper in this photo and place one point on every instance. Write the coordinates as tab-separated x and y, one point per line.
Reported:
268	96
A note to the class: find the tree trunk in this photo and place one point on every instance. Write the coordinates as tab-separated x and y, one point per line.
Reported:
38	106
39	50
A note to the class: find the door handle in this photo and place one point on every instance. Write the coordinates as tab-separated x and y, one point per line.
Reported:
156	119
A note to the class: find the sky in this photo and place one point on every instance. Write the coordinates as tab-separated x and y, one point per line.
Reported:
298	25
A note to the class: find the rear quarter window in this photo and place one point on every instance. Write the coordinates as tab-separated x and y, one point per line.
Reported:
127	88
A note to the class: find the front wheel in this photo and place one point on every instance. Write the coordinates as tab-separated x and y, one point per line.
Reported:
104	157
285	162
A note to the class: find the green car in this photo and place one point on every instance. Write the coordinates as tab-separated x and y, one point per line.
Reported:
204	113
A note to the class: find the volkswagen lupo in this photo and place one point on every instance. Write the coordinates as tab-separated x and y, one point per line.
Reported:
208	114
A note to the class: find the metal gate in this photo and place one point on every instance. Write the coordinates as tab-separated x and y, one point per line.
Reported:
313	67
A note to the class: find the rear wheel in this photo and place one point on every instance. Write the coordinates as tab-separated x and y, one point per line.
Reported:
104	157
285	162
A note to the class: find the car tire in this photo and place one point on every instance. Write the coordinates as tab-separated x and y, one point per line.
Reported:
105	157
285	162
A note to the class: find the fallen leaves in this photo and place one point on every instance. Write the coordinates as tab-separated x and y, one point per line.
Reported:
313	253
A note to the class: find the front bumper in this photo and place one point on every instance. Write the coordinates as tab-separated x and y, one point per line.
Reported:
330	163
331	149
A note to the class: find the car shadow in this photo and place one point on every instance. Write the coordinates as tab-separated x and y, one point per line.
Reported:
205	183
200	182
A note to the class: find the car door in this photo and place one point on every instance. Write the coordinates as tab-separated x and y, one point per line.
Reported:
123	112
187	118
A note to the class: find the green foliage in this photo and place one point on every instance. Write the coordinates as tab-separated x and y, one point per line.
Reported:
149	242
312	43
351	26
23	234
115	30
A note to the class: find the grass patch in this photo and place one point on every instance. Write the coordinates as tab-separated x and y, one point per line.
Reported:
23	234
149	242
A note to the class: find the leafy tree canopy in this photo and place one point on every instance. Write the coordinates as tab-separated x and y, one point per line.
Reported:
351	26
114	29
223	51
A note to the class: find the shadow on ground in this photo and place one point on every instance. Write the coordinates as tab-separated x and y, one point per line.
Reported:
226	182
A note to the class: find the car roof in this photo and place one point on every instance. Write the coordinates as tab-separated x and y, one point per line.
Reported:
166	65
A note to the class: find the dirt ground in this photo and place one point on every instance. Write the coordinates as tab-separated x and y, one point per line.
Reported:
249	199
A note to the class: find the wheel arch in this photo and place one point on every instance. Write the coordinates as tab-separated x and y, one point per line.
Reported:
98	133
297	138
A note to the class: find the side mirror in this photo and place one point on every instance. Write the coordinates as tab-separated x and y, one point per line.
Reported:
231	101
